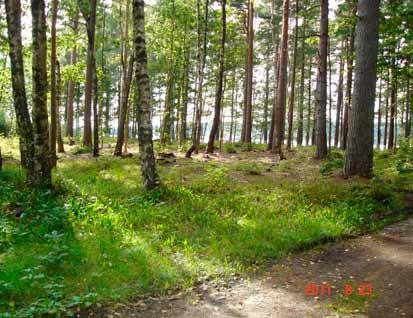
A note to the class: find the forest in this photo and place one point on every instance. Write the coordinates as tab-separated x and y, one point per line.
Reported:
206	158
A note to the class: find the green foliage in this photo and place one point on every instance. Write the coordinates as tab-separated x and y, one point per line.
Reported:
334	161
230	148
404	156
250	168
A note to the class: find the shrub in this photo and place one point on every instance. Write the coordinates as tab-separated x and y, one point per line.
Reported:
404	156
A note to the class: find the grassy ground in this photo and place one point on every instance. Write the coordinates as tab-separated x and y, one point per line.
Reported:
98	237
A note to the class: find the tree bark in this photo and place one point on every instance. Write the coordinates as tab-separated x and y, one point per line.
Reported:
292	96
249	74
146	152
279	128
39	113
201	60
71	88
89	14
321	91
220	78
53	101
392	123
300	122
59	137
349	83
339	99
307	137
408	120
24	124
126	84
379	117
359	152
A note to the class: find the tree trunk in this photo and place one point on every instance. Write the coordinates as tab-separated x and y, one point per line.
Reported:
71	88
379	117
126	84
249	74
278	138
24	125
59	137
386	119
307	137
95	113
321	92
90	16
359	152
146	152
349	82
300	122
292	96
408	121
393	93
39	112
53	98
266	104
220	78
339	99
201	60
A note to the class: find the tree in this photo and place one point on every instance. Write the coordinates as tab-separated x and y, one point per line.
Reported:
71	86
279	128
321	91
42	165
53	86
89	13
292	96
359	152
339	100
147	156
247	122
219	89
24	124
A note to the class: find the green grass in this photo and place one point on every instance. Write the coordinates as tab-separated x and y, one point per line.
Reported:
98	237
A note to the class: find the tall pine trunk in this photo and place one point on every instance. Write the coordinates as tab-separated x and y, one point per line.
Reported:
292	96
339	99
53	97
279	128
359	152
321	92
220	78
300	122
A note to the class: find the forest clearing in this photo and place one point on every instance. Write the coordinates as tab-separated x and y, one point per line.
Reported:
206	158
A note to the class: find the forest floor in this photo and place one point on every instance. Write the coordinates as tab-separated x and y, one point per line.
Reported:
382	262
222	236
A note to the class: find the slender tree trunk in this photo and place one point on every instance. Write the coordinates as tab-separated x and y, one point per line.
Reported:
339	99
330	98
249	73
359	152
201	60
266	103
59	137
95	112
146	152
233	107
126	84
307	137
90	16
300	122
219	90
390	144
321	92
71	87
24	125
408	121
39	95
379	117
278	138
185	98
292	96
349	82
102	85
386	119
53	101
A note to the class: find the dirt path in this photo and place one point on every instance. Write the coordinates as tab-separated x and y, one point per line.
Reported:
384	260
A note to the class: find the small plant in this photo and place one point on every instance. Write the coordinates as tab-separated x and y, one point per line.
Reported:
78	150
250	168
404	156
230	148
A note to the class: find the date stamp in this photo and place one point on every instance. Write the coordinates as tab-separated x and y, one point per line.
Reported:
364	289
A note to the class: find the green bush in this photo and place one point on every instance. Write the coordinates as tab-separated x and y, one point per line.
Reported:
404	156
4	124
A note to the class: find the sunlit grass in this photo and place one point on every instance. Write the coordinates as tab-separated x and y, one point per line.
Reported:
101	237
